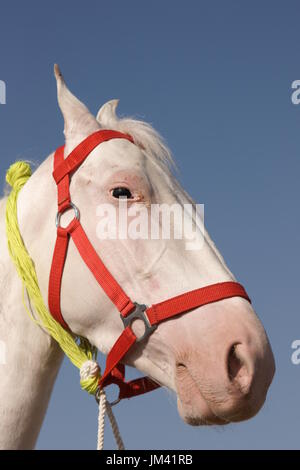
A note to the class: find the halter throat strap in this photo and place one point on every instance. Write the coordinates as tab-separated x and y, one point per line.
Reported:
129	310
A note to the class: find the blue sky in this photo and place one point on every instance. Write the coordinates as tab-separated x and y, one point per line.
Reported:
214	78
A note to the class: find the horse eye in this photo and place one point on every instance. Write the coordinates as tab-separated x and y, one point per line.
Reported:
121	192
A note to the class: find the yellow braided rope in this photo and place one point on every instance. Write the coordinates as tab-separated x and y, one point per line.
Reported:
16	177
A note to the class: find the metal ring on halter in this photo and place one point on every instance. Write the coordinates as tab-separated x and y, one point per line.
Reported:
60	213
97	398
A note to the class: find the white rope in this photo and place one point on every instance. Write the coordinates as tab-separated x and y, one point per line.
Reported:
92	369
101	419
89	369
114	427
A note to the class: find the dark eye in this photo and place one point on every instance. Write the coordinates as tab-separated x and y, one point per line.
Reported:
121	192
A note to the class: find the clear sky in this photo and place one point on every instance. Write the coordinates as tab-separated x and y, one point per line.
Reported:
214	78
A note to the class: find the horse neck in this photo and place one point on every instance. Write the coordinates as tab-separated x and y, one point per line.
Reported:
32	360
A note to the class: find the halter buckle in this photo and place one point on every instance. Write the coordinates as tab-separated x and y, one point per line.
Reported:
139	313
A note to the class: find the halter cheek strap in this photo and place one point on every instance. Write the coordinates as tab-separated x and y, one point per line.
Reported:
129	310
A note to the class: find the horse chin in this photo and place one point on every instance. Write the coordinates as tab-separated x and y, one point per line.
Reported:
203	417
192	406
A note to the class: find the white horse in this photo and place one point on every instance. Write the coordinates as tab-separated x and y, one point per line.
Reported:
217	359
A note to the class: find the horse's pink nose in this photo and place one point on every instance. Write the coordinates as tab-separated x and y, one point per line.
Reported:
223	379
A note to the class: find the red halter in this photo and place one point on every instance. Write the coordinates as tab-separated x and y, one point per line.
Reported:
129	311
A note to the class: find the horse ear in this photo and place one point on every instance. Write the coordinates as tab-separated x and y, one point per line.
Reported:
78	121
107	116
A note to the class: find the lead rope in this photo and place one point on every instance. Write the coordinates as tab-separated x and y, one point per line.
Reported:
105	407
92	369
82	355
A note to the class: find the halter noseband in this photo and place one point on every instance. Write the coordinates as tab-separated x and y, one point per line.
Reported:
129	310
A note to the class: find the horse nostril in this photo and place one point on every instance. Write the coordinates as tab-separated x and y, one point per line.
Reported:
233	363
238	371
180	367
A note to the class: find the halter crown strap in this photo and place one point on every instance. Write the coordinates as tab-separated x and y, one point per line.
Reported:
79	154
129	310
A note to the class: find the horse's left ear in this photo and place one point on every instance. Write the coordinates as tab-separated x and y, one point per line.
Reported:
78	120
